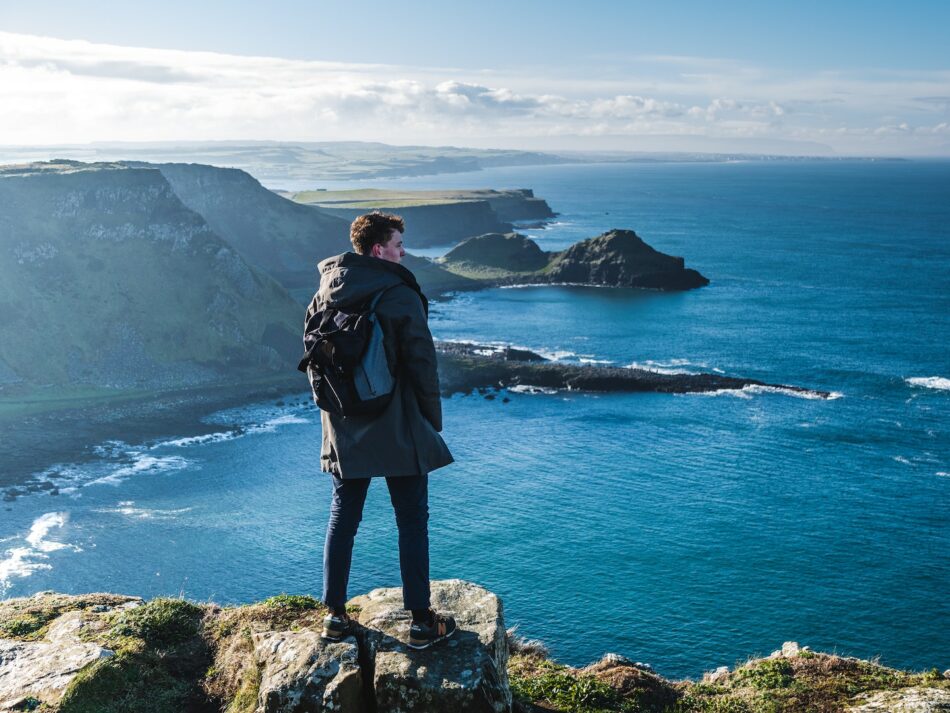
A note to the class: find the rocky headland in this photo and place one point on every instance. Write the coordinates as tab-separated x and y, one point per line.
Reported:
436	217
109	653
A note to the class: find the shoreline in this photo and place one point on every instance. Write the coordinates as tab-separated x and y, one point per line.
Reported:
45	437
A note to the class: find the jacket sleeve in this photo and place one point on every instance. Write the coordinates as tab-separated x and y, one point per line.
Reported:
417	354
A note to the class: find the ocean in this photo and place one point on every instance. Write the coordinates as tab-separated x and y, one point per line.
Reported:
684	531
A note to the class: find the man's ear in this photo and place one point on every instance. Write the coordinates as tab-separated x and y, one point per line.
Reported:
374	251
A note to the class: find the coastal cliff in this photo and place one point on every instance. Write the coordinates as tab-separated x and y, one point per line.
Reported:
110	653
279	236
433	218
108	281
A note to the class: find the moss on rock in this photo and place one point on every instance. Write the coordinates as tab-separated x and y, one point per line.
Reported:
807	682
28	618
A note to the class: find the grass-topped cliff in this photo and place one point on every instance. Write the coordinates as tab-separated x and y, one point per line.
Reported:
283	238
438	217
108	653
108	280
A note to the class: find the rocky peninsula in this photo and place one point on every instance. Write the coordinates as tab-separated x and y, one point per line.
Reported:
435	217
110	653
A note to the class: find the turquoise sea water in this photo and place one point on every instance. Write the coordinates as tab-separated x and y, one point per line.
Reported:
684	531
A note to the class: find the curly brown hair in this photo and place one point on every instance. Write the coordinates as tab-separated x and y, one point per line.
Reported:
374	228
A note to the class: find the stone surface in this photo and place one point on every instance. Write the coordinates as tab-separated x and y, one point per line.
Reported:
302	672
43	669
713	676
468	672
916	699
789	649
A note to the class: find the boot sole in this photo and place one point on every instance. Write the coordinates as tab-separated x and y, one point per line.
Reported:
419	647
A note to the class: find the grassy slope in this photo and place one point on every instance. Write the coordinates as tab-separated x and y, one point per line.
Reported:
275	234
104	266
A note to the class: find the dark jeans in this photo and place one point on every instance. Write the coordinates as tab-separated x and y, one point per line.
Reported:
410	498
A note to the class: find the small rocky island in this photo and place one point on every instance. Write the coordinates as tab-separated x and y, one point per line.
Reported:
110	653
617	258
465	366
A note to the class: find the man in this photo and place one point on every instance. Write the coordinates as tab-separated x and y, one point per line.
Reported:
401	443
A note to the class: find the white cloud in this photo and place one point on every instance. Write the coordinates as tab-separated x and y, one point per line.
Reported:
59	91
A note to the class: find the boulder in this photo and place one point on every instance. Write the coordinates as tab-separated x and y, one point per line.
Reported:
43	669
916	699
302	672
468	672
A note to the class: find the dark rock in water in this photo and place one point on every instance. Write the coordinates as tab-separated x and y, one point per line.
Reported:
464	367
621	258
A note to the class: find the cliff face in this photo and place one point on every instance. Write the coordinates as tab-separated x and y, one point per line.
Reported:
107	279
517	204
436	217
439	224
282	237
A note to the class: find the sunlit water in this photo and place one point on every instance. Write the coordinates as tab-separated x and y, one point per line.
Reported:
684	531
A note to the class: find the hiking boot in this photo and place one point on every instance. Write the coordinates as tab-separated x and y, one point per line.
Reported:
423	635
337	626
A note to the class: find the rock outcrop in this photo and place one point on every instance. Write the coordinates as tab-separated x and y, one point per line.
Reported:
108	653
468	673
621	258
299	671
617	258
502	252
465	366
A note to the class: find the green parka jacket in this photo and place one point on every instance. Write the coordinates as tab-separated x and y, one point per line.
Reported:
404	439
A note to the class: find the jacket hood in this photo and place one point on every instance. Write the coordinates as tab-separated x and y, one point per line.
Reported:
350	279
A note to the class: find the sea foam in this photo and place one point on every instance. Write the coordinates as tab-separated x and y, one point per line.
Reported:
930	382
23	561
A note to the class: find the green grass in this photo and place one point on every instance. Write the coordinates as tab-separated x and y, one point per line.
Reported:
559	686
159	648
809	683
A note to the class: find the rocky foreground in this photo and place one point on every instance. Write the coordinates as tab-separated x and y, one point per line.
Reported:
109	653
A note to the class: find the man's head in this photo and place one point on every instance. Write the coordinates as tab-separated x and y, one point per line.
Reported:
378	234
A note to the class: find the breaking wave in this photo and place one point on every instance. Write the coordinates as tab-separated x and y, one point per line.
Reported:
747	392
930	382
33	556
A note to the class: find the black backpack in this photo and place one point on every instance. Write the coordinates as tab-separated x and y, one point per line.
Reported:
346	361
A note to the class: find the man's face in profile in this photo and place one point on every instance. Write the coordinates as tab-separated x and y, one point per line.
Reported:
392	250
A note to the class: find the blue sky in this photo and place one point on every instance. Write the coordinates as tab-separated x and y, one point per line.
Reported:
869	78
